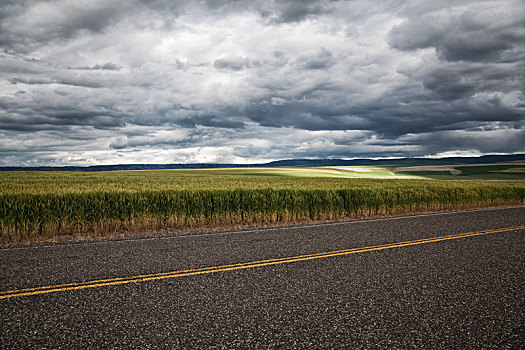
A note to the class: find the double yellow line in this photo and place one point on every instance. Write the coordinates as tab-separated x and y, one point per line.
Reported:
246	265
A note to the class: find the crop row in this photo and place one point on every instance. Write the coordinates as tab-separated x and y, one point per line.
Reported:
41	213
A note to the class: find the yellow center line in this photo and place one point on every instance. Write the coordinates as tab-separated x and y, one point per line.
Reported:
213	267
238	266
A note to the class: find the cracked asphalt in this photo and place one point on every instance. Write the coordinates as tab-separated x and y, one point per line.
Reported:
466	293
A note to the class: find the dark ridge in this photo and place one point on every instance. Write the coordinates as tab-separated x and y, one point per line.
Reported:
401	161
286	163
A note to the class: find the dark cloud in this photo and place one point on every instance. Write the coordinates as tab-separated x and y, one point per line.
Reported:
104	66
496	141
29	24
322	60
296	11
477	34
231	63
61	81
150	139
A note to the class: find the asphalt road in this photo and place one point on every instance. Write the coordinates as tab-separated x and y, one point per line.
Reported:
464	292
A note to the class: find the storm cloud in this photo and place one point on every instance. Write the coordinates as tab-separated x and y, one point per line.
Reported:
104	82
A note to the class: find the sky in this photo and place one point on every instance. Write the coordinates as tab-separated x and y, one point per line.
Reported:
87	82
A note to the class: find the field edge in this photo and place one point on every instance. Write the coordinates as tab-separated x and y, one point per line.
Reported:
139	232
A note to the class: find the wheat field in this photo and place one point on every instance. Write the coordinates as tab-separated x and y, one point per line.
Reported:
42	206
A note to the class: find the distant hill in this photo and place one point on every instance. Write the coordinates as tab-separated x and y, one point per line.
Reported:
286	163
401	161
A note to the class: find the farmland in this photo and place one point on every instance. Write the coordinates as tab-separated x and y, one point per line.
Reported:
40	206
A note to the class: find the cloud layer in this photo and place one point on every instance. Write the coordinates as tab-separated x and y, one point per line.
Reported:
102	82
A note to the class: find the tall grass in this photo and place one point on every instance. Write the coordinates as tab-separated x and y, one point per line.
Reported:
41	206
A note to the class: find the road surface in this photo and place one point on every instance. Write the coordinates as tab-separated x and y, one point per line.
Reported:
452	280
